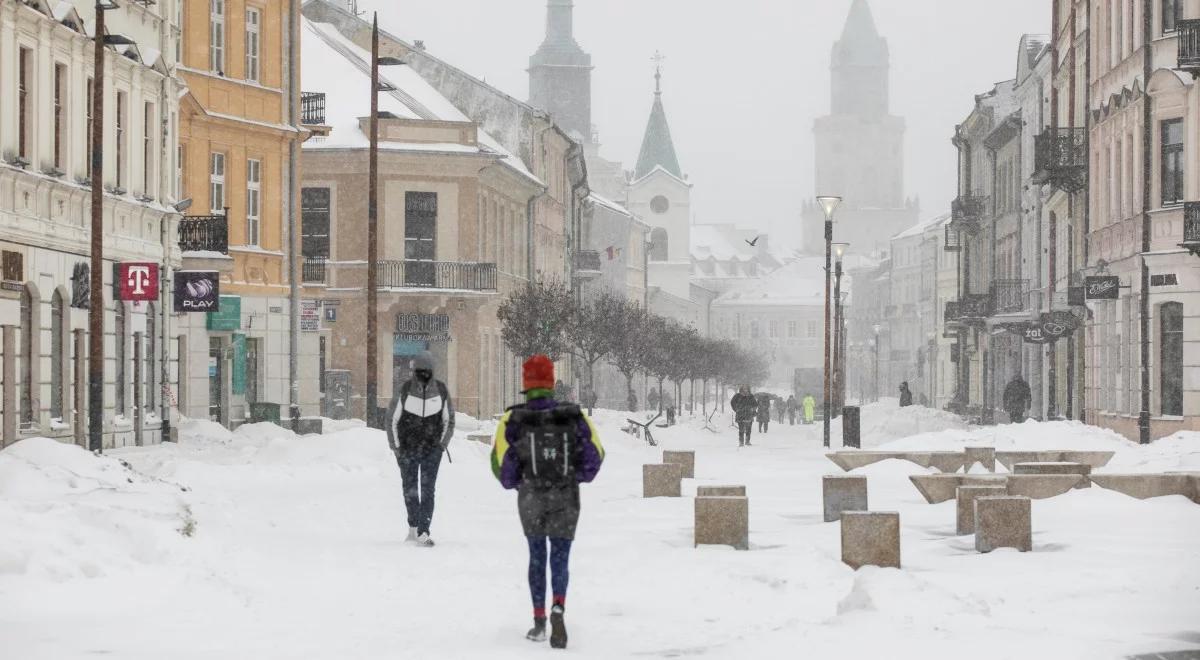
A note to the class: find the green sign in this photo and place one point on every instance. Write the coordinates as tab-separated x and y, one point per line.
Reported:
239	364
229	316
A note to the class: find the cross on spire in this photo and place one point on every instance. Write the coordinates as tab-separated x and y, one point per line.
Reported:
658	60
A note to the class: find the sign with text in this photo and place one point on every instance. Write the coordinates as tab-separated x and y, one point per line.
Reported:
1049	328
423	327
1102	287
310	316
135	281
197	291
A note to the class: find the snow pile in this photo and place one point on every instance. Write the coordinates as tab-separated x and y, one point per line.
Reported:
885	420
69	514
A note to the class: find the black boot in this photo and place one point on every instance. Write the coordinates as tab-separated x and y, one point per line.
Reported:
538	632
558	628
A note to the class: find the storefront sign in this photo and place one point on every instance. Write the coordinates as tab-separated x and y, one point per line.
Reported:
135	281
228	315
197	291
1102	288
423	327
310	316
331	314
1049	328
81	285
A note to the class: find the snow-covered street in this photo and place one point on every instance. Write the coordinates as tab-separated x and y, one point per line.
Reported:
259	544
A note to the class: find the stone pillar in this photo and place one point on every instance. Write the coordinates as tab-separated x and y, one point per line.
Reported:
8	426
663	480
79	387
985	456
685	459
965	520
720	491
843	493
723	521
871	538
1003	522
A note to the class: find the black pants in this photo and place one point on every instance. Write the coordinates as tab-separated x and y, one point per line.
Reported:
744	431
1016	416
763	424
418	472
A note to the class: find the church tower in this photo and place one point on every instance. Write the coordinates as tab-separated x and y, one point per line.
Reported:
860	144
560	73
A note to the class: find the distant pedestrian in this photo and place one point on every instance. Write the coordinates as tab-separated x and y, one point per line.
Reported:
905	395
764	413
562	391
791	409
810	405
589	398
1017	399
652	399
745	408
421	423
544	449
780	410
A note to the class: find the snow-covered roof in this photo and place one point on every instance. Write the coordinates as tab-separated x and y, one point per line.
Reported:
607	203
923	226
799	283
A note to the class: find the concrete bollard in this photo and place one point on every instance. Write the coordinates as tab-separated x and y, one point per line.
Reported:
686	459
965	513
985	456
720	491
662	480
871	538
723	521
843	493
1003	522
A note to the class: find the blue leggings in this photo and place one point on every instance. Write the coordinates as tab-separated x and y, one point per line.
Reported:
560	554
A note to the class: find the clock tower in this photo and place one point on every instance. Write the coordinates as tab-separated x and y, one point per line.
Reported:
560	73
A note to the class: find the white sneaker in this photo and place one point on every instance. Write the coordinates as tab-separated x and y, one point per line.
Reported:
412	535
424	541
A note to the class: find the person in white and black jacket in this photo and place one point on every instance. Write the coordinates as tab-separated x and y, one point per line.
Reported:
420	425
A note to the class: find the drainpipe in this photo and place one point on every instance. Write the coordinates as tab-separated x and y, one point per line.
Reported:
293	248
1147	170
1087	207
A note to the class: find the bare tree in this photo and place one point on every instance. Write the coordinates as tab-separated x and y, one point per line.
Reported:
535	320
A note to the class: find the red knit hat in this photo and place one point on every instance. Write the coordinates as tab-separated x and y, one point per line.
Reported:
538	373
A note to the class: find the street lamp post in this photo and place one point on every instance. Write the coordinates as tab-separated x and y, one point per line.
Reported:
839	338
828	204
875	343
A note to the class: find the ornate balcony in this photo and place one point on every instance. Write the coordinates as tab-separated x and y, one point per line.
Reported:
313	271
1191	228
967	213
1188	32
971	310
204	233
413	274
587	264
312	108
1010	296
1061	159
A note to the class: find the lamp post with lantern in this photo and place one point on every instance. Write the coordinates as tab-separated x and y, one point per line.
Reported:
828	204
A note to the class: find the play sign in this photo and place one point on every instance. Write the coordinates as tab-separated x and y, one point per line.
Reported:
135	281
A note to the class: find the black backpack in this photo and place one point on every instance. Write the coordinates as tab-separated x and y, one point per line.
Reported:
548	450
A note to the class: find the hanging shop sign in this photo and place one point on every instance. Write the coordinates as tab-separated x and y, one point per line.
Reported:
310	316
81	285
228	316
197	291
423	327
1049	328
1104	287
135	281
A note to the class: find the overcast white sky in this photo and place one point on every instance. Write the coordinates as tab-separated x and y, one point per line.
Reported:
744	80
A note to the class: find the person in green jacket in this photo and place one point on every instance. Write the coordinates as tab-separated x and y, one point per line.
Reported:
809	405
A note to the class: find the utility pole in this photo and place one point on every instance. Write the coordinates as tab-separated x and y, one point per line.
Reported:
1147	170
373	236
96	281
828	205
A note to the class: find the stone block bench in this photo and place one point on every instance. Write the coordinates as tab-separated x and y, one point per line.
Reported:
1043	486
685	459
720	491
985	456
871	538
1096	459
1145	486
964	518
938	488
723	520
944	461
842	493
481	438
662	480
1082	469
1003	522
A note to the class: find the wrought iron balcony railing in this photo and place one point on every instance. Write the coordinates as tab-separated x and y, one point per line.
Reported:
1191	228
1188	32
1009	296
312	108
967	213
313	271
412	274
973	308
587	264
204	233
1061	158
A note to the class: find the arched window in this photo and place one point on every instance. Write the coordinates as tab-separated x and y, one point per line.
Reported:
151	359
658	244
1171	357
29	359
119	332
57	323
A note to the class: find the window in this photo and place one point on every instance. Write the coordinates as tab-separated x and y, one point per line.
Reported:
151	356
180	158
1172	162
60	100
420	237
774	329
148	151
216	177
90	125
658	244
314	222
119	357
216	37
793	329
754	331
253	28
1171	357
24	115
120	121
57	318
1172	14
812	329
29	330
253	200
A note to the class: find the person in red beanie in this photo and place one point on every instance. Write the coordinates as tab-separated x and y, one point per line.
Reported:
544	449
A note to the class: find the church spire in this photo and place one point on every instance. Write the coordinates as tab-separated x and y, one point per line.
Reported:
560	25
658	150
560	73
860	66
